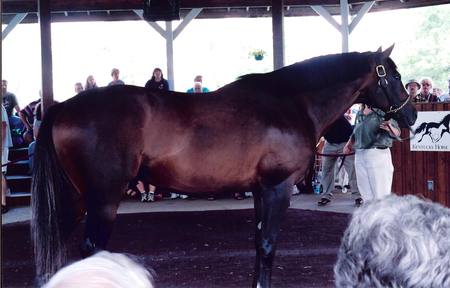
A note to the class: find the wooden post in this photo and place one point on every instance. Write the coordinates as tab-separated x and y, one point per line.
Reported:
46	54
278	34
344	25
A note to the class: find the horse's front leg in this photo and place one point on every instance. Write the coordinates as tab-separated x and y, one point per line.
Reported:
271	203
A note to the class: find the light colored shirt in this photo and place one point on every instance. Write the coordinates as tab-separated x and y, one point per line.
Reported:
8	141
444	98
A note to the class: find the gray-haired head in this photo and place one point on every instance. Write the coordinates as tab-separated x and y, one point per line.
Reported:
104	269
396	242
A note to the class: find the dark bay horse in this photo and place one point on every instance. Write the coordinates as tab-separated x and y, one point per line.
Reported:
256	134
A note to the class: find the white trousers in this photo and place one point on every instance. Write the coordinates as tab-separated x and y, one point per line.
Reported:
374	171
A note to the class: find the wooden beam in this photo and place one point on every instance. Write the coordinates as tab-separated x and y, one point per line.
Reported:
278	33
169	53
363	11
344	25
12	24
325	14
46	54
28	6
186	20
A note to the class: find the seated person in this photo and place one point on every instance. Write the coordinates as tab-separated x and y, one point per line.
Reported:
198	86
27	117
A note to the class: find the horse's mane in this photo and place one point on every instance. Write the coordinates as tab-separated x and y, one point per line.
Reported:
311	74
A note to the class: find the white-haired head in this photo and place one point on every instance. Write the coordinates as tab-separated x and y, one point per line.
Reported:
396	242
104	269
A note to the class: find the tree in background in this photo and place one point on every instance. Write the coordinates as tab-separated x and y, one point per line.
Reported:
429	55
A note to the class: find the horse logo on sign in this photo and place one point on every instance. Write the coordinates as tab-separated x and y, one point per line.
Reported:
432	132
433	129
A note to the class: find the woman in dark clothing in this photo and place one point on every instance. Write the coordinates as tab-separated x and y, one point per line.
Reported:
157	82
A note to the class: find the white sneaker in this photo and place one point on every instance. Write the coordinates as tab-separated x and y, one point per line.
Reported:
182	196
144	197
151	197
174	195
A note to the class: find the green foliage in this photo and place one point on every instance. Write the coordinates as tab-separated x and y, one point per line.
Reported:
429	55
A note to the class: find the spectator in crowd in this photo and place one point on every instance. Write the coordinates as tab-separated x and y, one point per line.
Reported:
15	124
147	192
36	125
396	242
446	97
371	140
425	94
9	100
198	86
102	270
157	82
78	87
90	83
335	139
413	87
115	78
27	117
6	143
437	92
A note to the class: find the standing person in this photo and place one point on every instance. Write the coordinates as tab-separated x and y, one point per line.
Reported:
446	97
9	100
413	87
371	140
90	83
6	143
335	139
78	87
157	82
115	76
425	94
198	82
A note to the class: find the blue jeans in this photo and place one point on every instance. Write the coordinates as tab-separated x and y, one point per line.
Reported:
31	155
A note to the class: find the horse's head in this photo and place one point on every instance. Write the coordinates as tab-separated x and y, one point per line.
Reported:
386	90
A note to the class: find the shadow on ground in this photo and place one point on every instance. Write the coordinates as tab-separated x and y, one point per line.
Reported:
202	249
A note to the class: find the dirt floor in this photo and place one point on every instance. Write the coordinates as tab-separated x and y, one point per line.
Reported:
202	249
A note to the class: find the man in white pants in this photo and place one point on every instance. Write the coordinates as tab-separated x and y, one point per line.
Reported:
371	139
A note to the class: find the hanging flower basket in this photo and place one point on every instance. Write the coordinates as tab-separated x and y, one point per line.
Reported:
258	54
259	57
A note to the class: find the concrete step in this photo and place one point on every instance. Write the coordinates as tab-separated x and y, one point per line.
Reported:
17	153
18	168
18	183
18	199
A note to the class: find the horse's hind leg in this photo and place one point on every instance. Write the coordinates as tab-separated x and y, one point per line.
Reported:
102	202
271	203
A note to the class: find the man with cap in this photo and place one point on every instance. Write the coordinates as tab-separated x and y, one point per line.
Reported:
425	92
413	87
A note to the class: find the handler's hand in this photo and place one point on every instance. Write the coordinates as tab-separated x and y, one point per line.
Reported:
348	148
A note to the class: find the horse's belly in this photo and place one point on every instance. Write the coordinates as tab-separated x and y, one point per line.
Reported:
201	177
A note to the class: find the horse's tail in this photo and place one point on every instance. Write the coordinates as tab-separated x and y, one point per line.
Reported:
51	211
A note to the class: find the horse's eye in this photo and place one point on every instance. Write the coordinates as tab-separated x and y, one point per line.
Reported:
397	76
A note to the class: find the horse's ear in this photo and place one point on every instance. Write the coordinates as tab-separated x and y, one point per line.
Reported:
388	51
379	50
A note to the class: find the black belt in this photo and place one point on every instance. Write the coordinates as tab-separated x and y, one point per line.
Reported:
381	148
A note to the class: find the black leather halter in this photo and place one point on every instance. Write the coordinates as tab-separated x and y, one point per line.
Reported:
383	84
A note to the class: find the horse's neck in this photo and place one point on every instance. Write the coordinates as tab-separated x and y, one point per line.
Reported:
326	108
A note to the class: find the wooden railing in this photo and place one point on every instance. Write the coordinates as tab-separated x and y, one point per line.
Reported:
413	169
